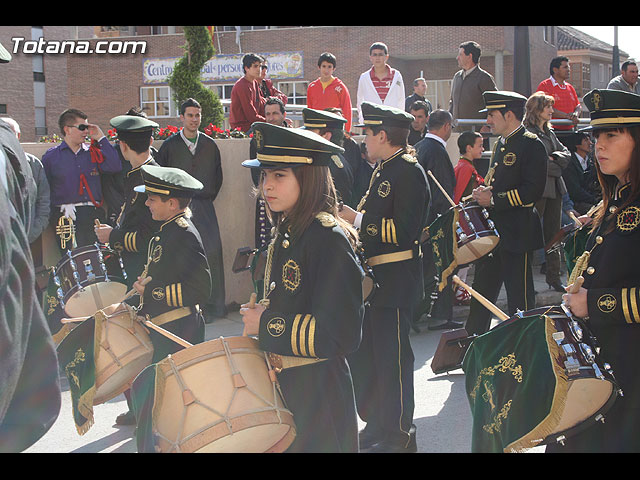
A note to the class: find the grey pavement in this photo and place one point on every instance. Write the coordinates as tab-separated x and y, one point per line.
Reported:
442	413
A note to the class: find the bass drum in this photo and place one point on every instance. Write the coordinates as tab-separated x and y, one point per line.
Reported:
220	396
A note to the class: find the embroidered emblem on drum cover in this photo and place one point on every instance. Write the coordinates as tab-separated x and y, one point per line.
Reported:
156	254
158	293
484	388
607	303
276	326
509	159
628	219
384	189
372	229
291	275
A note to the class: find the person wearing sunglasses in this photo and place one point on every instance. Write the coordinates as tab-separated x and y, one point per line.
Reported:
73	170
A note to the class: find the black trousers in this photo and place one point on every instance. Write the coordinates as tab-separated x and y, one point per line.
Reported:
382	372
491	271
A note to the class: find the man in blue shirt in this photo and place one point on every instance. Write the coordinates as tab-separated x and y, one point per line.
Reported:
73	169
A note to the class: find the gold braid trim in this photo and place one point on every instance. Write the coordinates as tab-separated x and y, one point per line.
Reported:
579	267
548	425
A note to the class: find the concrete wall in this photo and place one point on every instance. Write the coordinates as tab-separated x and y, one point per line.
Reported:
235	208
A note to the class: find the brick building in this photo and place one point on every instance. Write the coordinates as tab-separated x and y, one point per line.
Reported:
109	84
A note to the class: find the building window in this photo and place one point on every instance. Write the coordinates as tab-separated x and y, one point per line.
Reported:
156	102
223	92
439	93
295	91
548	35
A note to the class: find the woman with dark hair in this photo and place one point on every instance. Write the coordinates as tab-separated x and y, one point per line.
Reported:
312	308
609	299
537	119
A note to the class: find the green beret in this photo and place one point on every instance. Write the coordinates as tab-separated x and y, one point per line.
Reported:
132	123
502	99
168	181
374	114
281	147
612	109
322	119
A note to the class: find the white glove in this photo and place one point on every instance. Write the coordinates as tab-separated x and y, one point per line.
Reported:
69	210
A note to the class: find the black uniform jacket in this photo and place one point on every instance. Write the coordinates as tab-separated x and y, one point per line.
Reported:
316	311
612	280
134	227
518	182
395	210
178	267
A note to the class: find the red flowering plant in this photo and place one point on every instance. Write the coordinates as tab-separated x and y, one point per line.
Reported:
216	132
165	132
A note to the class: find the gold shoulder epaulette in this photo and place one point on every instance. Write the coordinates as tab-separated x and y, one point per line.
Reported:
326	219
182	222
337	161
529	134
409	158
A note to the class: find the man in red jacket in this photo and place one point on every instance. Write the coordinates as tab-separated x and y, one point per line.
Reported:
246	101
329	91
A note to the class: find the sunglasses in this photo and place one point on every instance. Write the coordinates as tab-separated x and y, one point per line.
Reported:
82	127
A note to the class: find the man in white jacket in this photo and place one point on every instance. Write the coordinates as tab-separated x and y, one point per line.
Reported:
381	84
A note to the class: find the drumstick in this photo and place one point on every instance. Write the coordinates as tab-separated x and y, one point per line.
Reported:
133	291
167	334
575	219
74	319
252	304
441	189
486	303
575	287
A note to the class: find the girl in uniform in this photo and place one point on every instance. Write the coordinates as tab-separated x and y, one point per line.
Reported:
609	299
312	310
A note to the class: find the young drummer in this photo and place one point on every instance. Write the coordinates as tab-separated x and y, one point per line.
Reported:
609	299
312	308
176	261
391	216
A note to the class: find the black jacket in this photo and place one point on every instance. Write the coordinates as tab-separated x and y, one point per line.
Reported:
518	182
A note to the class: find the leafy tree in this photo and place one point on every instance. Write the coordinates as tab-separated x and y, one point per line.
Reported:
185	78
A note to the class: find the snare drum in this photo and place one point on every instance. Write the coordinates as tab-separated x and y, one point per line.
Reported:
220	396
476	233
558	366
88	279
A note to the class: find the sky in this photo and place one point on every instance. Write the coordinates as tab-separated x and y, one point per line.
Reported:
627	37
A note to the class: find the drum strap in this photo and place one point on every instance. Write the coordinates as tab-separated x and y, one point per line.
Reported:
172	315
280	362
390	257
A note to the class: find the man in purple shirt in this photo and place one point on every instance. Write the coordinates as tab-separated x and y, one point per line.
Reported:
73	170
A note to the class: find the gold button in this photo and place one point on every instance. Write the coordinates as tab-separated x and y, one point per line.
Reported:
612	209
591	270
285	243
599	239
272	286
378	174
